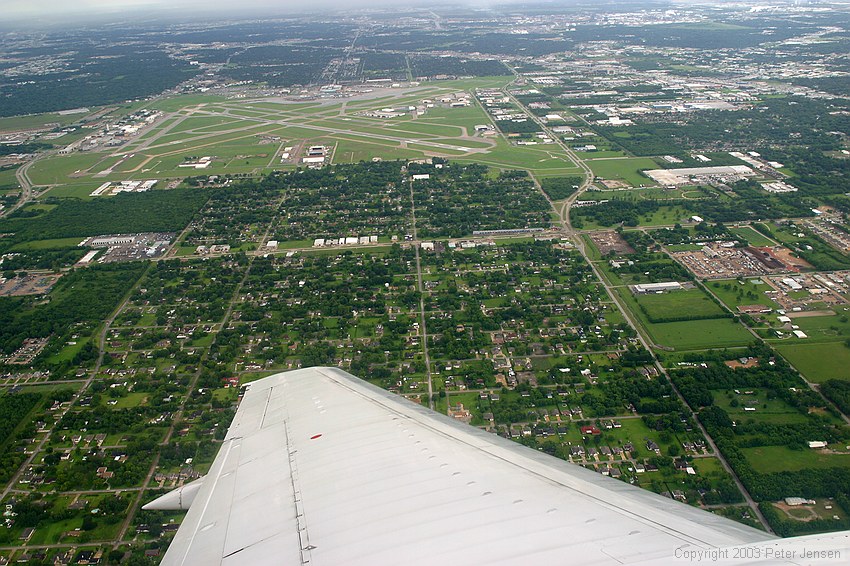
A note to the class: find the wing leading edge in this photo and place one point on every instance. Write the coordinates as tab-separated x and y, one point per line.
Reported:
319	467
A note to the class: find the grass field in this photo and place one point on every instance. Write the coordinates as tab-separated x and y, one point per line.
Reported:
245	137
675	304
766	410
538	159
8	181
818	362
689	335
636	431
128	401
752	236
821	329
351	152
700	334
627	169
63	168
178	102
48	244
664	216
769	459
75	190
67	353
733	294
17	123
650	193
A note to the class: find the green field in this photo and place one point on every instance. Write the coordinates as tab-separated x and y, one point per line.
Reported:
80	191
771	410
752	236
351	152
8	180
539	159
692	334
676	304
826	328
16	123
770	459
700	334
56	243
626	169
818	362
238	136
664	216
129	400
734	294
650	193
64	169
173	104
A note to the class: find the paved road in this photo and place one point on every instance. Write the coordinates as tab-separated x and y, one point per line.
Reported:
22	175
564	211
101	351
642	337
811	385
421	287
178	415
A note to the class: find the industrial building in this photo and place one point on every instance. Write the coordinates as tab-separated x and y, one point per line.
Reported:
647	288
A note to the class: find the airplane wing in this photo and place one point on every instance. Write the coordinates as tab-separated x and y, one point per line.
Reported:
319	467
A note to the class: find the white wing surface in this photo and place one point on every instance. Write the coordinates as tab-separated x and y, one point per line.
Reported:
321	468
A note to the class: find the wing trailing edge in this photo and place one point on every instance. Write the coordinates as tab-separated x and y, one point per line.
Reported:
320	467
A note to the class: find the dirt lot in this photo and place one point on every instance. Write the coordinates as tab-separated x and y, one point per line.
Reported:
751	363
807	314
785	256
611	241
803	513
30	284
615	184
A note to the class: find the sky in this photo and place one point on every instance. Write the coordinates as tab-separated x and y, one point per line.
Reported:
18	9
34	13
53	9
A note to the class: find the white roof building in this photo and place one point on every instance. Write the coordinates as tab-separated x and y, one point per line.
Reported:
656	287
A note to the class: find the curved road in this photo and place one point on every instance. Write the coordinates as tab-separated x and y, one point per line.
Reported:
22	175
564	214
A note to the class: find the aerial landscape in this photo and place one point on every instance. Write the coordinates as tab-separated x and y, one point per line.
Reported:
615	232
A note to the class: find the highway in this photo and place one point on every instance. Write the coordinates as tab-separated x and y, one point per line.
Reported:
564	211
22	175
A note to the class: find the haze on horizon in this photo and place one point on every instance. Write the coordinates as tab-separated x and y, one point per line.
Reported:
48	13
51	11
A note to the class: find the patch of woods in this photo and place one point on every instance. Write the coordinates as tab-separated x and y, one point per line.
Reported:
559	188
751	203
94	76
428	66
14	409
126	213
783	383
76	305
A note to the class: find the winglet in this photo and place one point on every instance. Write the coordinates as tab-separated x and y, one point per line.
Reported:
179	499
